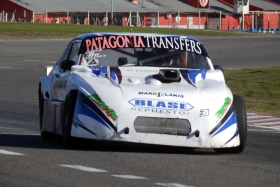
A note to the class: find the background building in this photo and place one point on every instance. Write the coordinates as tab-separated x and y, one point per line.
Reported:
251	15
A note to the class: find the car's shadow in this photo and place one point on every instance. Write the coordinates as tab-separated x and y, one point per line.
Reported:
36	141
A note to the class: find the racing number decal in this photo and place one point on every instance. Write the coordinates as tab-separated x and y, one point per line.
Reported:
204	112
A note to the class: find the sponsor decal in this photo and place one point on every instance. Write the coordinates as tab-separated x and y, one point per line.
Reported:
204	112
161	94
109	111
159	111
59	84
144	70
92	57
224	108
152	103
111	42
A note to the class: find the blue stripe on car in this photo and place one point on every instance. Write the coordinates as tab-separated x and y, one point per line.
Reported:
235	134
190	75
230	121
77	124
87	107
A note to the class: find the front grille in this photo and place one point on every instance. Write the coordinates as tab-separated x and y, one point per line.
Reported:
172	126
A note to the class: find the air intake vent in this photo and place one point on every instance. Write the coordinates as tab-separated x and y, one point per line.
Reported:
169	74
172	126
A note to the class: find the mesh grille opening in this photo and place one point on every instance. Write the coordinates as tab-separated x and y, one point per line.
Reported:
172	126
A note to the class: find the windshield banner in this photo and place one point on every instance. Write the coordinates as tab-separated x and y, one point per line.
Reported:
113	42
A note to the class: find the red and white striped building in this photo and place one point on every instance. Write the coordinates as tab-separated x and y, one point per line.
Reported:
253	15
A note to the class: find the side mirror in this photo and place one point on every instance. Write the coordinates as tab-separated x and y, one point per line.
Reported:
218	67
67	64
122	61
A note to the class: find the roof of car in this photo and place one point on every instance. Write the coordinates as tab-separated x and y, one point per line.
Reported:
92	35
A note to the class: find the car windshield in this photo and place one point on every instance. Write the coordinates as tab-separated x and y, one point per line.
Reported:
154	57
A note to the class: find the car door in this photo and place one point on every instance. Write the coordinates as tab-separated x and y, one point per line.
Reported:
60	76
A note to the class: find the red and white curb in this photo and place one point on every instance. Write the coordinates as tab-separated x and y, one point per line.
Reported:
263	121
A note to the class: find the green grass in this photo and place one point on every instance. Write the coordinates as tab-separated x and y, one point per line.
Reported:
35	30
260	88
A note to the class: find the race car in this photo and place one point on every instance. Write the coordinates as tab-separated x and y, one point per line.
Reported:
142	88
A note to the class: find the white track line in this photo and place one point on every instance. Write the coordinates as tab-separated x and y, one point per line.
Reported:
3	67
129	177
53	62
172	185
9	152
83	168
26	134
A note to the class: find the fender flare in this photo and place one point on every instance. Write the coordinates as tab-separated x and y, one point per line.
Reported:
44	86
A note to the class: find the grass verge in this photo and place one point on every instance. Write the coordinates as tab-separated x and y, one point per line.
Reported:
258	86
10	31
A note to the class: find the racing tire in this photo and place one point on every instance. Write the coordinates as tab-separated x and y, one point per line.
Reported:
69	109
240	108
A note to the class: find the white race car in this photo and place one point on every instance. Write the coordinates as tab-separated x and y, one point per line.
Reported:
142	88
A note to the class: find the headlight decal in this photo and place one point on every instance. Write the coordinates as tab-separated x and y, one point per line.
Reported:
93	106
109	111
230	121
228	118
84	109
77	124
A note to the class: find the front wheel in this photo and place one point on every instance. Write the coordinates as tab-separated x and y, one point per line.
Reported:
69	109
240	109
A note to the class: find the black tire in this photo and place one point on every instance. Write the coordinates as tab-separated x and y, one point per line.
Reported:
69	109
239	106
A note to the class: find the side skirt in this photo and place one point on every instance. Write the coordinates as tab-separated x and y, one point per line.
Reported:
52	117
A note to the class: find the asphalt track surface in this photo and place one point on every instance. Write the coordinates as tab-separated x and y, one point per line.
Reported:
28	160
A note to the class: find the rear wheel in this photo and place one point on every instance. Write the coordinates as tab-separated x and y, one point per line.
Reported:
240	108
69	109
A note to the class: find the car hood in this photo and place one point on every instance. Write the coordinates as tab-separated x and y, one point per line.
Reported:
126	87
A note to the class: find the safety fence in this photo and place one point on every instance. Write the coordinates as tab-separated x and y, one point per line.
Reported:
261	22
83	18
89	18
16	16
